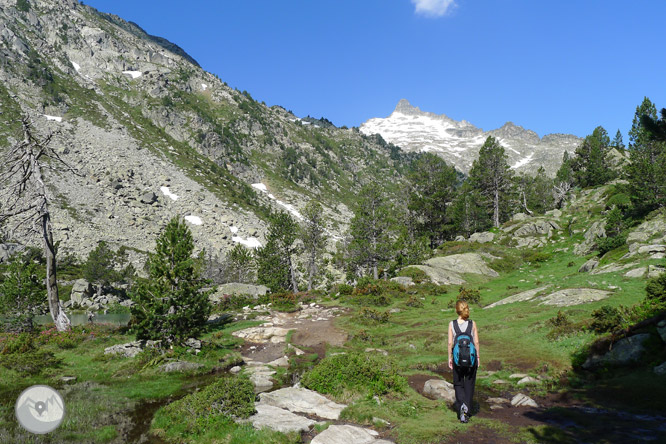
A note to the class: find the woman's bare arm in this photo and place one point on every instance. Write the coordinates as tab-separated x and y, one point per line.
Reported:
450	346
476	344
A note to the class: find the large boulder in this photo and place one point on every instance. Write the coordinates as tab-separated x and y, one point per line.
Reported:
462	263
589	265
81	290
274	335
574	296
624	352
538	228
647	230
440	276
405	281
519	297
596	231
302	400
660	369
440	389
482	238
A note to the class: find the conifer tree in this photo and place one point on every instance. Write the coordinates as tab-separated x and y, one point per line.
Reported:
275	267
431	188
491	177
590	164
370	244
467	212
21	291
314	239
98	268
646	172
240	264
617	142
171	304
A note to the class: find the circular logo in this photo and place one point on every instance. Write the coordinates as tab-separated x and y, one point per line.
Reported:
40	409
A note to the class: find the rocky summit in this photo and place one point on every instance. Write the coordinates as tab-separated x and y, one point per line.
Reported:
459	142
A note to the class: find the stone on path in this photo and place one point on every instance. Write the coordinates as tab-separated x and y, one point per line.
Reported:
440	389
574	296
498	401
520	297
518	375
521	400
528	380
262	334
347	434
499	381
279	419
260	375
302	400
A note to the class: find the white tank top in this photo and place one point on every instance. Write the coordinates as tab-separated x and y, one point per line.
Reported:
462	326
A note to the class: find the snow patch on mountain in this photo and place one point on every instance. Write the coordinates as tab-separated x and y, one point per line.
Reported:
458	142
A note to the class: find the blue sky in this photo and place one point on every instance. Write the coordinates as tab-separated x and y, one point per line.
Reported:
561	66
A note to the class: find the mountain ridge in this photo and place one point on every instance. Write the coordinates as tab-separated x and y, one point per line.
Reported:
458	142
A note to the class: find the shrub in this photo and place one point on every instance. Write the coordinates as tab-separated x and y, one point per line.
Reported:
231	397
284	301
17	343
31	362
536	256
369	315
606	319
470	295
417	275
345	290
363	373
561	326
235	302
415	302
610	243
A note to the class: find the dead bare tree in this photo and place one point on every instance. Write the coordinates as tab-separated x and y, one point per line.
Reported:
26	202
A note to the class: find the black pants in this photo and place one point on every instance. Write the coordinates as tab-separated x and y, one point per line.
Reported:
463	384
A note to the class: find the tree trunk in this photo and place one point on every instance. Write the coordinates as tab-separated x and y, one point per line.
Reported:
496	222
294	285
59	317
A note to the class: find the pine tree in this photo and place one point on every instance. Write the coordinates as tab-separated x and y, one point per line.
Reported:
590	163
240	263
171	304
21	291
314	239
467	212
646	172
491	177
370	244
431	188
275	267
617	142
98	268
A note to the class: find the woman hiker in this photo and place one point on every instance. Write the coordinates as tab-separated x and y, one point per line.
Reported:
464	370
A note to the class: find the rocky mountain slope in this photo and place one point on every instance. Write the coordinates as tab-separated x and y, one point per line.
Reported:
153	135
459	142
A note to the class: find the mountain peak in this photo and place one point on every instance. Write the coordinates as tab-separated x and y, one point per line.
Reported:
405	107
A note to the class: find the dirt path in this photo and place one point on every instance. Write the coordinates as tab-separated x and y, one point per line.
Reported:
313	328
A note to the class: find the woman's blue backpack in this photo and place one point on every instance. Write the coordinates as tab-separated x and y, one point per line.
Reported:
464	352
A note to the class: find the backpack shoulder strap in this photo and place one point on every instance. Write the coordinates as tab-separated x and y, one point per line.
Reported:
456	328
470	326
